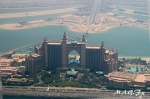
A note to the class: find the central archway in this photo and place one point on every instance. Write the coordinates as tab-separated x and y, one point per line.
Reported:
74	59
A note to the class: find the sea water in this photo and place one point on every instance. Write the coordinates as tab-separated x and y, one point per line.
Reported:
128	41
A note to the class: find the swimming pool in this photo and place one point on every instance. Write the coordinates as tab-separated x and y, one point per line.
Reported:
134	69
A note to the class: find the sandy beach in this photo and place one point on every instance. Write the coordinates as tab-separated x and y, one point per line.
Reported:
147	59
37	13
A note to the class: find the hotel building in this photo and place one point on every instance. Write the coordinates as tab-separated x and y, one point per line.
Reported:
33	62
56	55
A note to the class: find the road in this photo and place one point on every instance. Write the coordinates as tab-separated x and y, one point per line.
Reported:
93	17
94	12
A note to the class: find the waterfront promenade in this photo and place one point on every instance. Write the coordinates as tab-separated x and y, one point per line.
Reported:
69	92
56	92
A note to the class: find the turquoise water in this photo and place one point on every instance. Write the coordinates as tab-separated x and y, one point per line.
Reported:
133	70
134	16
145	9
74	61
30	18
22	10
128	41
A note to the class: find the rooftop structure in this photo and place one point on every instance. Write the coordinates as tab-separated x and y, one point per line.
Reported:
125	79
6	60
93	47
122	76
35	55
12	70
18	55
17	80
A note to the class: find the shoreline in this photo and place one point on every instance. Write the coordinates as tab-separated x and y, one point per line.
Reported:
57	92
77	94
37	13
72	27
142	57
76	23
37	97
27	8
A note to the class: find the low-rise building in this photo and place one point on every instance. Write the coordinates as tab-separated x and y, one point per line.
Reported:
16	80
5	62
7	72
19	55
126	80
12	70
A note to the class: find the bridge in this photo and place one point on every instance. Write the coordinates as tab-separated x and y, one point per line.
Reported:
94	12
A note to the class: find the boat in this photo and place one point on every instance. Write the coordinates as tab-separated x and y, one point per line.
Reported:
79	37
31	47
72	39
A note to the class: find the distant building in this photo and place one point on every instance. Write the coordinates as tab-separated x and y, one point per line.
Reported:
33	62
55	55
